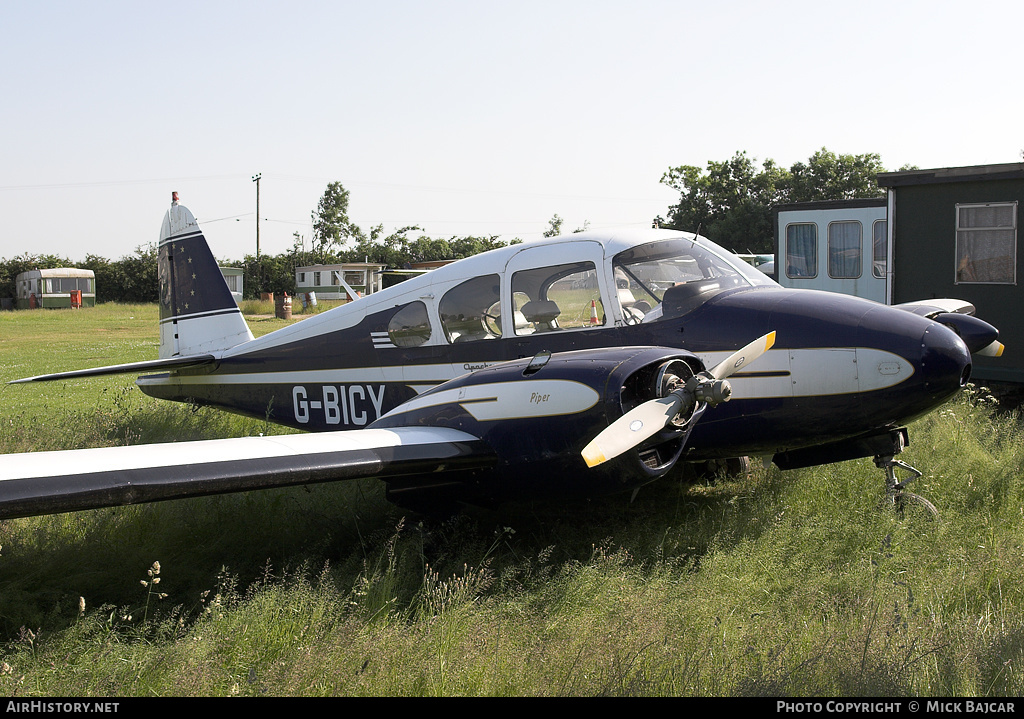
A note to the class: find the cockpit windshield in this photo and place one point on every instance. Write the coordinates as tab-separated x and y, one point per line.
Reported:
645	273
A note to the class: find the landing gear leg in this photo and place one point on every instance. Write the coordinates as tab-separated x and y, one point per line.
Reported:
906	503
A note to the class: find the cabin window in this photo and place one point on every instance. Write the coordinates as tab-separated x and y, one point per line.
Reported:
986	243
678	274
469	310
566	296
880	247
802	250
844	249
410	326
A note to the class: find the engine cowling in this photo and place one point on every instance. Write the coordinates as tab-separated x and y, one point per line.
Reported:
538	414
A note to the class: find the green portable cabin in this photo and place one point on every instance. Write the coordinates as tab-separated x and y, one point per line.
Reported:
58	287
954	234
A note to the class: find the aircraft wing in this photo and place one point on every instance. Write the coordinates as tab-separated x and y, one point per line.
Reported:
980	337
48	482
129	368
933	307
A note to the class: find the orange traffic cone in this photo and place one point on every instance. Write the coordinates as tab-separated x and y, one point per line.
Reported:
593	312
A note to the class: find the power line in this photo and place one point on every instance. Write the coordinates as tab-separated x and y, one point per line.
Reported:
222	219
112	183
477	190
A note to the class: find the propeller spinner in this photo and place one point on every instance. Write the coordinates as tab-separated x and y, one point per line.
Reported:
644	421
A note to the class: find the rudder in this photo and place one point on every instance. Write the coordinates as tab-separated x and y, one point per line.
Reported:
197	312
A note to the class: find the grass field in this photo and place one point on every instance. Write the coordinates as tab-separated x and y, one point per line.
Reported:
779	584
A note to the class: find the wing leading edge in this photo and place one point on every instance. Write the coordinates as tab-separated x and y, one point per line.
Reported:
49	482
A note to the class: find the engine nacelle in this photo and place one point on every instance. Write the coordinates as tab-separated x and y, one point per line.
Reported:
537	414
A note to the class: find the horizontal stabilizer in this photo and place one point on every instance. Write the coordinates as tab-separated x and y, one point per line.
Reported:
36	483
130	368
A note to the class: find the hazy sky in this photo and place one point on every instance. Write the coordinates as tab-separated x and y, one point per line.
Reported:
482	118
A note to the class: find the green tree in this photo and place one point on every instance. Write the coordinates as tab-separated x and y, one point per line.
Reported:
105	275
391	250
136	276
269	273
731	201
554	226
10	269
828	176
331	224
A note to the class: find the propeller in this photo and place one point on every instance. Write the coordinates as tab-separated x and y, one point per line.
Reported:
647	419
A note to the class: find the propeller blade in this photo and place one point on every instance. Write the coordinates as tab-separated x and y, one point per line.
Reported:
647	419
743	356
629	430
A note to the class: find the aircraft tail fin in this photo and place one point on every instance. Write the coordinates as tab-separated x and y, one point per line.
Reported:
198	315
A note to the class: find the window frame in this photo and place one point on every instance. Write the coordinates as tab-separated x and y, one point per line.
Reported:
813	264
550	276
963	232
860	249
405	334
884	260
465	296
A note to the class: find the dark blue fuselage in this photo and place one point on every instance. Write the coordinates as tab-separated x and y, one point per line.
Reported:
342	380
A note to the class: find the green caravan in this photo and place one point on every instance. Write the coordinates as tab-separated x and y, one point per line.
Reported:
59	287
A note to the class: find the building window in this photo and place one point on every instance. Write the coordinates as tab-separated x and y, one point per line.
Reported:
880	245
986	243
302	278
844	249
316	279
802	250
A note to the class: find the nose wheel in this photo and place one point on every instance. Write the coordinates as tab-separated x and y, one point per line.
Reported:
907	504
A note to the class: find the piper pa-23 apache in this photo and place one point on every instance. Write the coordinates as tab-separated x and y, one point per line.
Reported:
572	366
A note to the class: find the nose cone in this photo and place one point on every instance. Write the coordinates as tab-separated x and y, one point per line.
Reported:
945	364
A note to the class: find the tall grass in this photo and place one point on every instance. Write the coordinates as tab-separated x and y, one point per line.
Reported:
793	583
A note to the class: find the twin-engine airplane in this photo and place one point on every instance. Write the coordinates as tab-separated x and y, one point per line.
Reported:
578	365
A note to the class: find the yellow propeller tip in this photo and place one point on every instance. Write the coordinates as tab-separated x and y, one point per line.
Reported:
592	456
769	340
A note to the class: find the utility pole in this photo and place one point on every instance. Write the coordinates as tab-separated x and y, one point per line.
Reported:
256	179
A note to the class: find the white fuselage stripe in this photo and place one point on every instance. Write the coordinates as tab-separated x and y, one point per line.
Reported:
790	373
512	400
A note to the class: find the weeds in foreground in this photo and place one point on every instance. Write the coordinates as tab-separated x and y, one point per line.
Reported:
150	585
780	584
